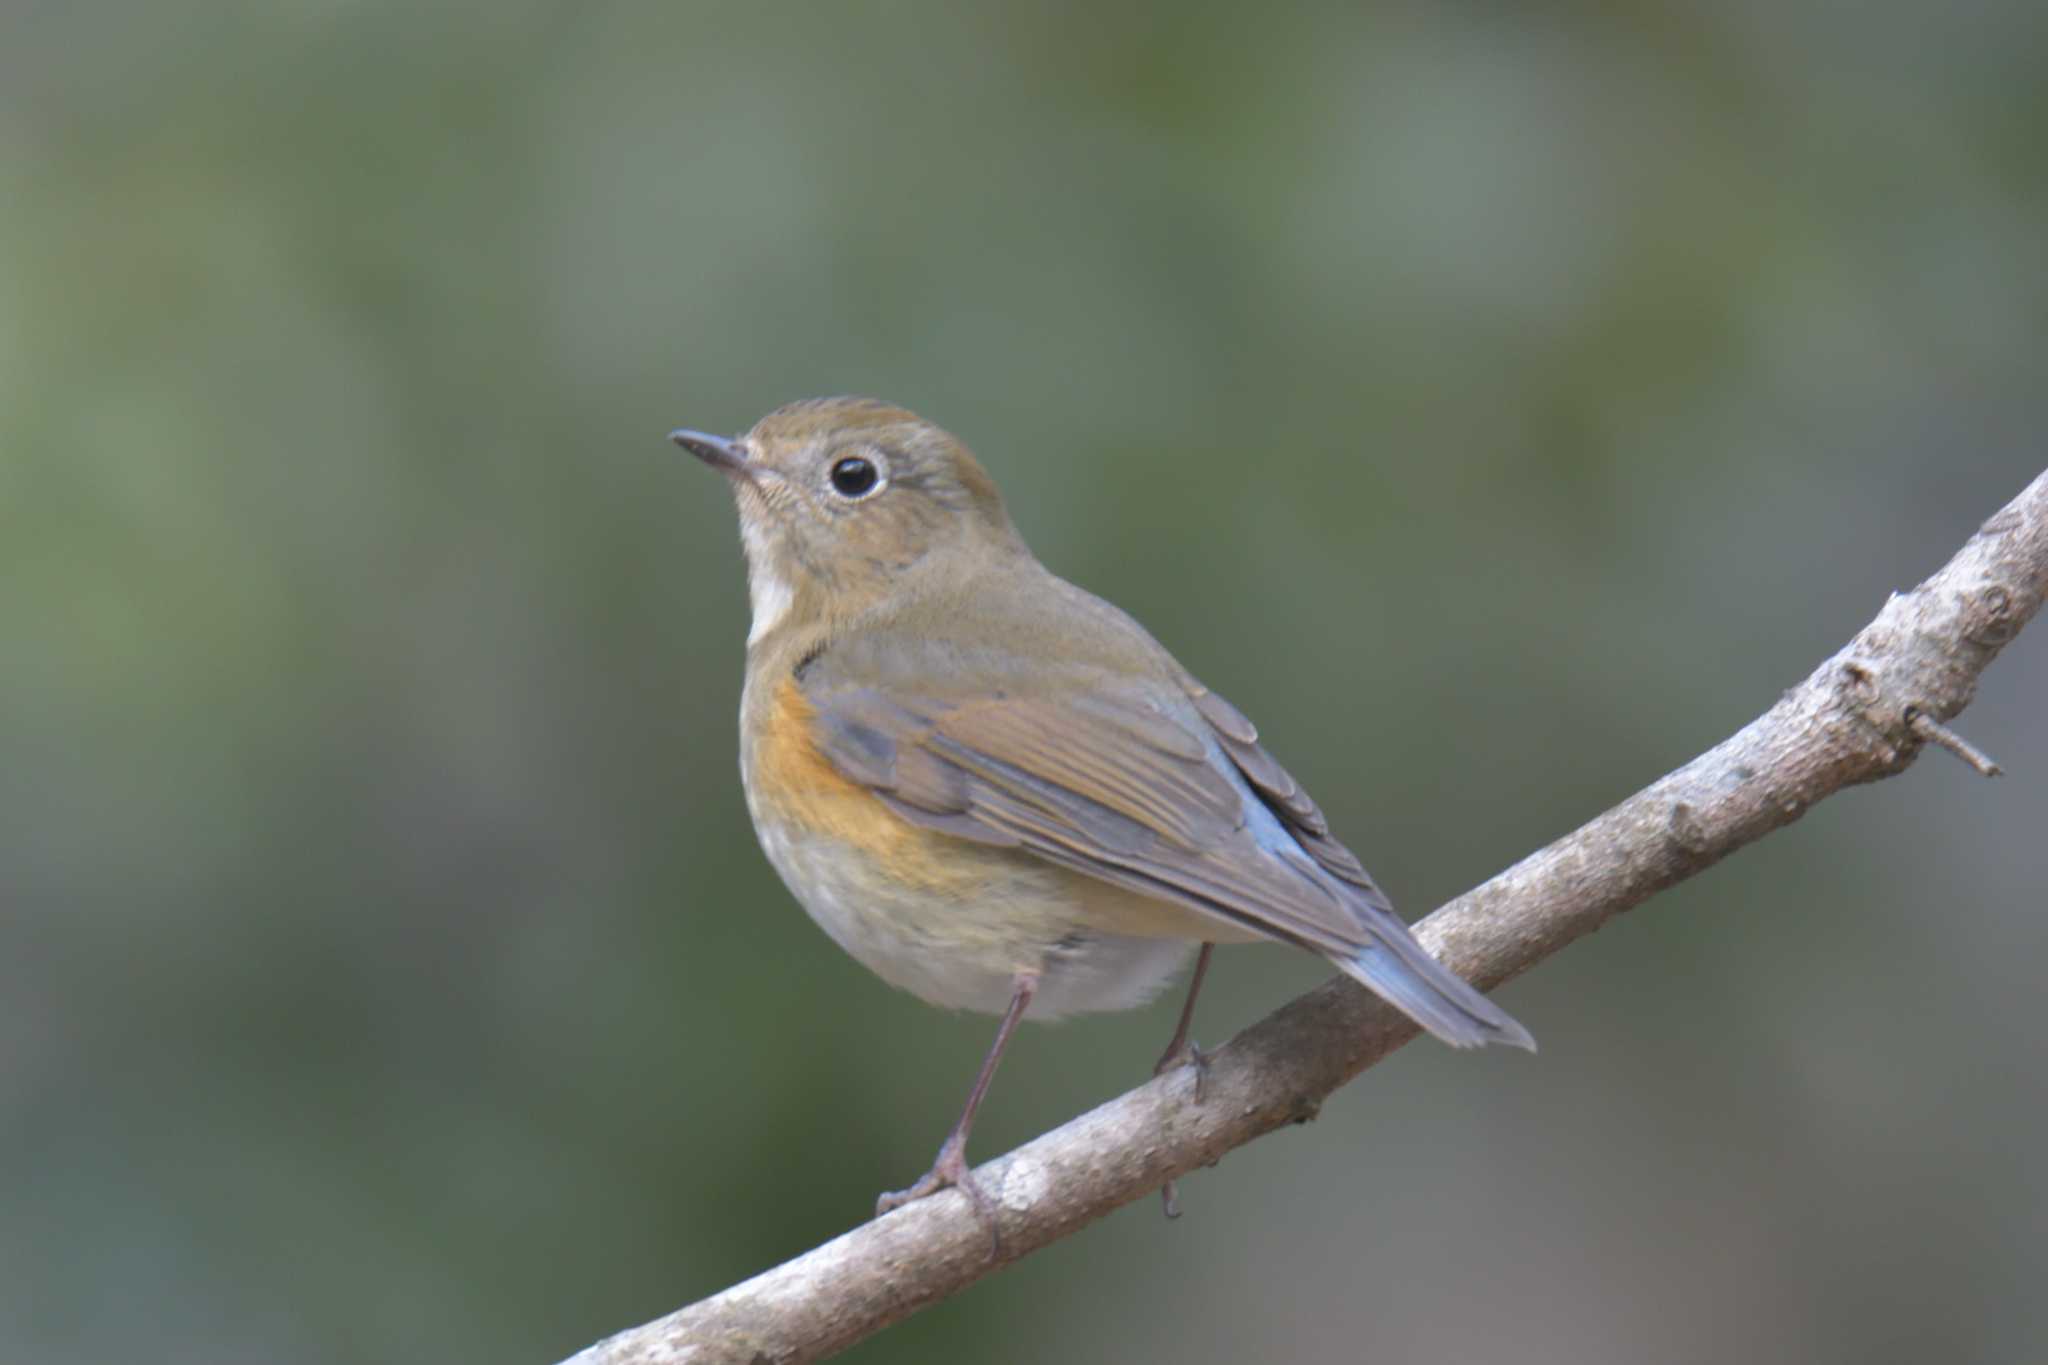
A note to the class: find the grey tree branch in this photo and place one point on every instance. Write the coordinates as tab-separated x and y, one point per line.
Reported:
1862	715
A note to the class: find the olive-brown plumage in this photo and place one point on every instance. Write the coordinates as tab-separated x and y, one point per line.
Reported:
994	789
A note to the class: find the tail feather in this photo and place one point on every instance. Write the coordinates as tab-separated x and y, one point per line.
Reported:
1433	996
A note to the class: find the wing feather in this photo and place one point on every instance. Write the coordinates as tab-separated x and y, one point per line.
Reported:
1149	792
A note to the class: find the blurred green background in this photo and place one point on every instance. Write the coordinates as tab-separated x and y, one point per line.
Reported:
1500	405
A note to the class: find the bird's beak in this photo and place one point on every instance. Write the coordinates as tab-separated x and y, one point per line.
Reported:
722	453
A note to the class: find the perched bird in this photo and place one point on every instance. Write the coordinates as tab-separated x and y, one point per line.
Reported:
995	790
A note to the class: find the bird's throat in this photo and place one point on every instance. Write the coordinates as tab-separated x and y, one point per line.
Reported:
769	592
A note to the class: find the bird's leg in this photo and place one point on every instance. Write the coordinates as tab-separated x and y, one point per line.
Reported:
1185	1049
951	1166
1182	1048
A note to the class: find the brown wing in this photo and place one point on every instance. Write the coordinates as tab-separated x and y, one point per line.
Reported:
1166	794
1278	789
1162	789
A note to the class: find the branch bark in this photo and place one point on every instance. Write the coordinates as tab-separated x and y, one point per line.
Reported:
1862	715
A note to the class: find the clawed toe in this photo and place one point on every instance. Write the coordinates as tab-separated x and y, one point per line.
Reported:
1187	1052
949	1172
1184	1052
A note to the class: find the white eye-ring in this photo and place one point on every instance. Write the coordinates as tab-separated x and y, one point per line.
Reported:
854	477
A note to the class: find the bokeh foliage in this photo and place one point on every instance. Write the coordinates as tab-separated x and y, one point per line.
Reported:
1500	403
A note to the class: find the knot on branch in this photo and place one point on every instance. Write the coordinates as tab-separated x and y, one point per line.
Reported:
1989	620
1879	719
1688	832
1898	727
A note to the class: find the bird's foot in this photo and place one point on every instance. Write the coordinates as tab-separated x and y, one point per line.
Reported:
1183	1052
949	1171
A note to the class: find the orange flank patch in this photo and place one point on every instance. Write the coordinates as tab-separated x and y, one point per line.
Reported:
798	786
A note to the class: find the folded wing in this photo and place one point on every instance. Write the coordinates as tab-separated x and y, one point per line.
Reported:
1166	793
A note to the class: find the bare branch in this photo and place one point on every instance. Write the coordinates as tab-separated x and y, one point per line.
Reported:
1862	715
1934	732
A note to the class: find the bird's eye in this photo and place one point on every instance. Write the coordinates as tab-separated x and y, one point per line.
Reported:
854	477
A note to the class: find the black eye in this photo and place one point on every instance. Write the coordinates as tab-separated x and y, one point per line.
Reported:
854	477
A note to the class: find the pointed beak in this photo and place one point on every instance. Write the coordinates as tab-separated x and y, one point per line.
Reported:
722	453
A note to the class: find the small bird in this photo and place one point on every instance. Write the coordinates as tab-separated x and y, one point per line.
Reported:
995	790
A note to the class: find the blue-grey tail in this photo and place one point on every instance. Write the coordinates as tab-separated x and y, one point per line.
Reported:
1408	978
